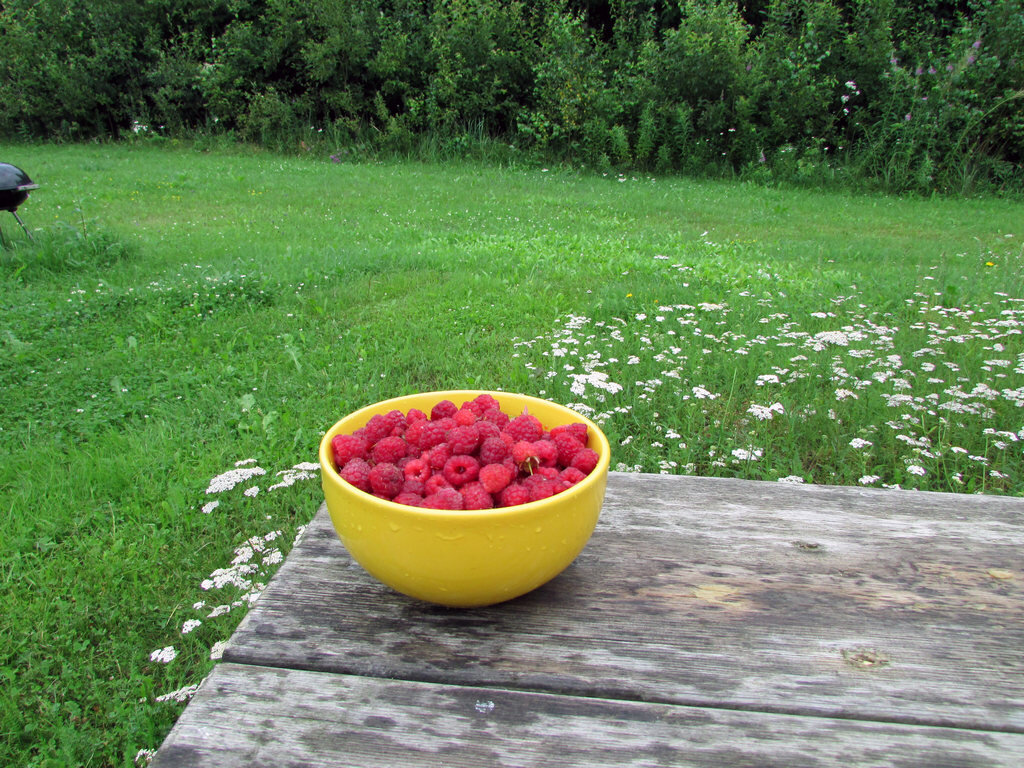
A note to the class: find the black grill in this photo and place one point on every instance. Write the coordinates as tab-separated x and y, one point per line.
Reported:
14	188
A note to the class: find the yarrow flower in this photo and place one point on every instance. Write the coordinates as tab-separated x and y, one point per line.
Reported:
164	655
765	412
859	442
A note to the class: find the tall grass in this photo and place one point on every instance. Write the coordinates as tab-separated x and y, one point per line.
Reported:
187	324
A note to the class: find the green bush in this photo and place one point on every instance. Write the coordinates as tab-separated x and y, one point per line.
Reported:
777	90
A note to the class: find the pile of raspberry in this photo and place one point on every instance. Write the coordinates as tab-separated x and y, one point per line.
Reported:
469	457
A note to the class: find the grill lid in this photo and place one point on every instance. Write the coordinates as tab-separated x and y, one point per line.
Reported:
14	187
15	179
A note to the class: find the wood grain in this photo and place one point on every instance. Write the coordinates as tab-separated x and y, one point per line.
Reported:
710	593
250	717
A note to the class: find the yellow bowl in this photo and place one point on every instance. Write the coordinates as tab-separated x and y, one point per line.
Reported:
465	558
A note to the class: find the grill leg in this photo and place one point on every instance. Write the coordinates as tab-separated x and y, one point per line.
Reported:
15	215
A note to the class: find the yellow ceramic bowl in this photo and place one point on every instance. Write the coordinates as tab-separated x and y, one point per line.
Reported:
465	558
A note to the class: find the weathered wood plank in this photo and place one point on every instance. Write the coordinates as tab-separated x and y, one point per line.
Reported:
833	602
257	716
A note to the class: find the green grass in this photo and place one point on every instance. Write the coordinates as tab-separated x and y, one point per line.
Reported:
181	312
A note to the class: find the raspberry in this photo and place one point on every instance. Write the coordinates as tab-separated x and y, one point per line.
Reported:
386	480
524	454
487	429
434	484
357	472
483	403
409	499
432	433
549	472
497	417
446	498
376	428
389	450
414	415
396	420
547	453
464	439
576	429
459	470
439	455
568	446
585	461
443	409
417	469
465	416
475	496
414	486
513	495
526	427
493	450
414	432
495	477
572	475
543	490
347	447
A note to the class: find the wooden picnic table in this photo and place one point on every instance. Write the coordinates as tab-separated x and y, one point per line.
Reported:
708	622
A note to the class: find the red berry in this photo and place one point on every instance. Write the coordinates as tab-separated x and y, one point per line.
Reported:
415	486
577	429
497	417
415	414
379	426
409	498
543	490
475	496
483	403
386	480
465	416
432	433
524	454
464	439
347	447
487	429
434	484
446	498
357	472
572	475
389	449
526	427
459	470
439	455
548	472
496	477
585	461
547	453
414	432
445	408
513	495
492	450
568	446
417	469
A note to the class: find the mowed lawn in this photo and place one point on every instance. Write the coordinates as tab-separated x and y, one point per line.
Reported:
187	324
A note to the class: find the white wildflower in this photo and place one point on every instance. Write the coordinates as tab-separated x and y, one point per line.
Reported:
163	655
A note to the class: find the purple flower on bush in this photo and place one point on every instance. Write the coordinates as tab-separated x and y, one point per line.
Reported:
976	45
971	59
906	117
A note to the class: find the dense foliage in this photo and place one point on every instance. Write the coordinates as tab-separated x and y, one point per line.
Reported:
909	94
